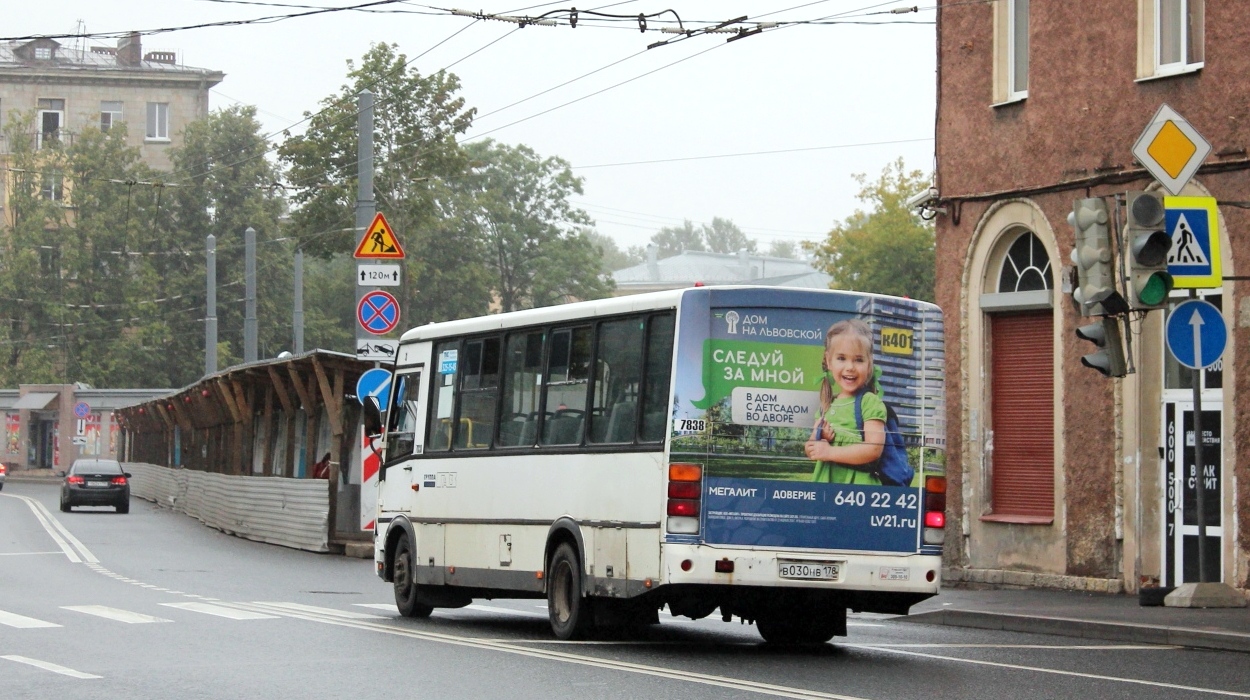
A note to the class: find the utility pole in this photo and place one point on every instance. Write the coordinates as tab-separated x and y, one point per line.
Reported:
210	320
249	318
366	208
298	319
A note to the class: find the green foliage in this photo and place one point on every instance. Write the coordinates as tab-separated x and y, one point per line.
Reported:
673	240
536	249
611	257
417	166
887	249
227	186
721	236
724	236
783	249
106	284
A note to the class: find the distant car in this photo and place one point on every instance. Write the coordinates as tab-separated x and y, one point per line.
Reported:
96	482
3	469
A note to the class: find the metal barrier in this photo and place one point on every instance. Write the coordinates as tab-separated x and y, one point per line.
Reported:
278	510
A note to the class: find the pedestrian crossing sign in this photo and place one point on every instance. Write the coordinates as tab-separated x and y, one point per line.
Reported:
379	242
1193	224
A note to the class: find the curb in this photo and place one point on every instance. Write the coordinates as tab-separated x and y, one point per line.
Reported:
1088	629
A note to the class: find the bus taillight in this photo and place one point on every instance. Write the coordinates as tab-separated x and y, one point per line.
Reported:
685	491
683	508
935	510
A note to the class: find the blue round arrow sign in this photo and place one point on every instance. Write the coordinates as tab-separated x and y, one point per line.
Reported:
374	382
378	312
1196	334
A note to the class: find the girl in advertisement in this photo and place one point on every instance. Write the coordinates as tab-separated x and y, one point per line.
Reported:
843	455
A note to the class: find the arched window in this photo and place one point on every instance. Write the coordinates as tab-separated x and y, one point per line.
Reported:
1026	268
1021	325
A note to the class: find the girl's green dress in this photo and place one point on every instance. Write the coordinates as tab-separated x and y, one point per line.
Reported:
841	416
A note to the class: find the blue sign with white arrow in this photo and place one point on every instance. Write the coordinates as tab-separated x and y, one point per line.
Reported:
1196	334
375	382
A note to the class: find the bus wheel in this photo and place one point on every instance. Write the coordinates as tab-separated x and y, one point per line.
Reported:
405	578
569	611
781	628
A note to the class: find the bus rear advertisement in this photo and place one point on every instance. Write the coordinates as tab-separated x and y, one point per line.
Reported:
776	454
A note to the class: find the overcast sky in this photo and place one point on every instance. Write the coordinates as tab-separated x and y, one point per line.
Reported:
795	87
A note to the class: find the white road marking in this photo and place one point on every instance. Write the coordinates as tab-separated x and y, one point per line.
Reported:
1055	671
117	614
1083	647
48	666
23	622
56	537
552	655
221	611
706	679
389	607
504	611
82	548
299	607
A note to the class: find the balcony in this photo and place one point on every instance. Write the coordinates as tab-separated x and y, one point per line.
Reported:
35	141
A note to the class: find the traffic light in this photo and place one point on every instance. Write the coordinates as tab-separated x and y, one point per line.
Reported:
1147	246
1109	358
1095	292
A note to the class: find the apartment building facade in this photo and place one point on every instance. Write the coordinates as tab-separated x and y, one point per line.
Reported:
1062	477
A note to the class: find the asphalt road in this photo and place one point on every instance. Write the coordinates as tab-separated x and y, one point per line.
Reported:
155	605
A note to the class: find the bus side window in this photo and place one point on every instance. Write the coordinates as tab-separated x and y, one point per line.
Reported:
568	379
618	376
522	377
443	408
479	384
659	368
401	431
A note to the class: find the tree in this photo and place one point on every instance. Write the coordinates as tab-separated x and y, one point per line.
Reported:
673	240
724	236
418	165
226	186
783	249
537	250
612	258
887	249
74	261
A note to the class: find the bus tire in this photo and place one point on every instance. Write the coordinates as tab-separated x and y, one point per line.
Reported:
781	628
567	608
405	582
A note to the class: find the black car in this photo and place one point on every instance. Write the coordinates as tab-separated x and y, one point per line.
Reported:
96	482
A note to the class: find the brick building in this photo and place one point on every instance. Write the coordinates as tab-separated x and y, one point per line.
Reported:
1059	476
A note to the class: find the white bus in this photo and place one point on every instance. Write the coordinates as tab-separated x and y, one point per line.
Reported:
623	455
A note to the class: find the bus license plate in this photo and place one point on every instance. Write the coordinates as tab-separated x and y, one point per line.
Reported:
811	570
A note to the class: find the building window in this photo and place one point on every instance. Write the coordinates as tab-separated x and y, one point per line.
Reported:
1018	48
1020	454
1011	51
1170	37
51	117
110	114
53	188
158	121
43	53
1179	30
1026	267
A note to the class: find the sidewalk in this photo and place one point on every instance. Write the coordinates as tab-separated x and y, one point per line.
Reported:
1089	615
35	475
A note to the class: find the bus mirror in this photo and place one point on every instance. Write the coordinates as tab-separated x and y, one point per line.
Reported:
372	415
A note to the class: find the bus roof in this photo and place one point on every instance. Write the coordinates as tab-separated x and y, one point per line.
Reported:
633	303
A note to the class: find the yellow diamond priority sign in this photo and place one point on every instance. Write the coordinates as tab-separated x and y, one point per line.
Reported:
1171	149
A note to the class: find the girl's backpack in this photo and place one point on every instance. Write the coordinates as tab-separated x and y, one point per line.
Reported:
892	467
